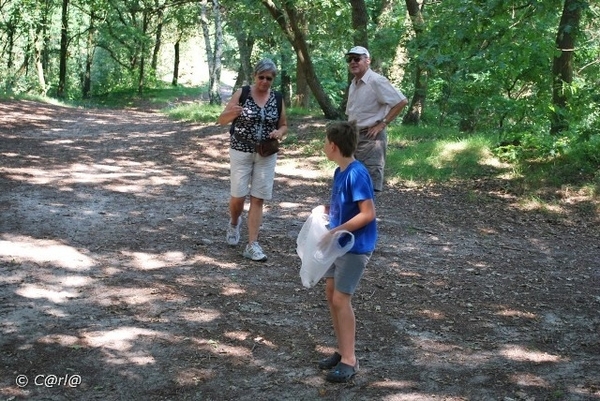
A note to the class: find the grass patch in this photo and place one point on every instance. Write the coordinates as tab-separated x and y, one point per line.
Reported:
34	98
159	97
438	155
194	112
207	113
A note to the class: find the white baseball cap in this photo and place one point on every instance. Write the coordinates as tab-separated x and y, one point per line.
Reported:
359	50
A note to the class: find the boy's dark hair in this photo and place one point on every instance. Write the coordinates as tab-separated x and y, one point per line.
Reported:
344	134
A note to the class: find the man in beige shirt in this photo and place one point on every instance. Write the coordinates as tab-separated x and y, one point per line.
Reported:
373	103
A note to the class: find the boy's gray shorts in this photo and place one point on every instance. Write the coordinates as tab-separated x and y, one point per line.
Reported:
347	270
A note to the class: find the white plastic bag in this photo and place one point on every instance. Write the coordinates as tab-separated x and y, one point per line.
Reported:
318	257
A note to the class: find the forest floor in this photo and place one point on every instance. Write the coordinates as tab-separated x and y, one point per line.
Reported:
116	282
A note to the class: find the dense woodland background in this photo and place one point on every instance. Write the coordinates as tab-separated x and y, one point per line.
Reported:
526	70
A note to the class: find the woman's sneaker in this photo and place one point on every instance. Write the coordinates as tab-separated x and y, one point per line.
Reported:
254	251
233	232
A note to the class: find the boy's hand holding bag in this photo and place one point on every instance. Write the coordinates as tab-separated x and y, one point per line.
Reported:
318	248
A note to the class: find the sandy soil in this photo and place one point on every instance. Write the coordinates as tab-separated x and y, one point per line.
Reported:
116	284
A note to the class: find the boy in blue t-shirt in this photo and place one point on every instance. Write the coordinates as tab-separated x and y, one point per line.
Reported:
352	208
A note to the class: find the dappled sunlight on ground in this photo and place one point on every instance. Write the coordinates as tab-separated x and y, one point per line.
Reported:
113	267
23	248
518	353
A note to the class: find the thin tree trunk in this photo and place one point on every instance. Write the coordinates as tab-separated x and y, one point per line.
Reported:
157	37
206	34
11	27
41	43
562	68
302	98
215	89
62	72
141	78
360	20
38	44
286	80
213	57
87	75
176	62
245	45
302	88
417	103
45	37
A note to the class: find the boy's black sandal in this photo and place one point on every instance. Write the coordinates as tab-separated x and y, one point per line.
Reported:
331	361
342	373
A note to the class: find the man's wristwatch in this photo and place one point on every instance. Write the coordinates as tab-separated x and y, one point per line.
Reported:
384	121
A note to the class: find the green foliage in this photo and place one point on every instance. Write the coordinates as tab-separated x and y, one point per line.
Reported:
108	76
488	64
326	31
495	71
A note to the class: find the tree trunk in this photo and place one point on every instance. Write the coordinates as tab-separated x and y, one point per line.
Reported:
62	71
176	62
41	44
289	23
417	103
562	68
245	44
213	57
11	28
360	20
45	35
141	79
157	38
87	75
39	65
286	80
302	97
204	24
215	89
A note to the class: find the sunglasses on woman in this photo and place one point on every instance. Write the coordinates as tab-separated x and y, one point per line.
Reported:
262	78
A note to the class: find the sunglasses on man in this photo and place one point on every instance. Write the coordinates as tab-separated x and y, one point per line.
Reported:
350	59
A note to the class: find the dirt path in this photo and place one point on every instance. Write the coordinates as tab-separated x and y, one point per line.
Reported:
115	283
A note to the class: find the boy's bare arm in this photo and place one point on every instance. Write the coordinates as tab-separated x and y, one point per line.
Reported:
364	217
